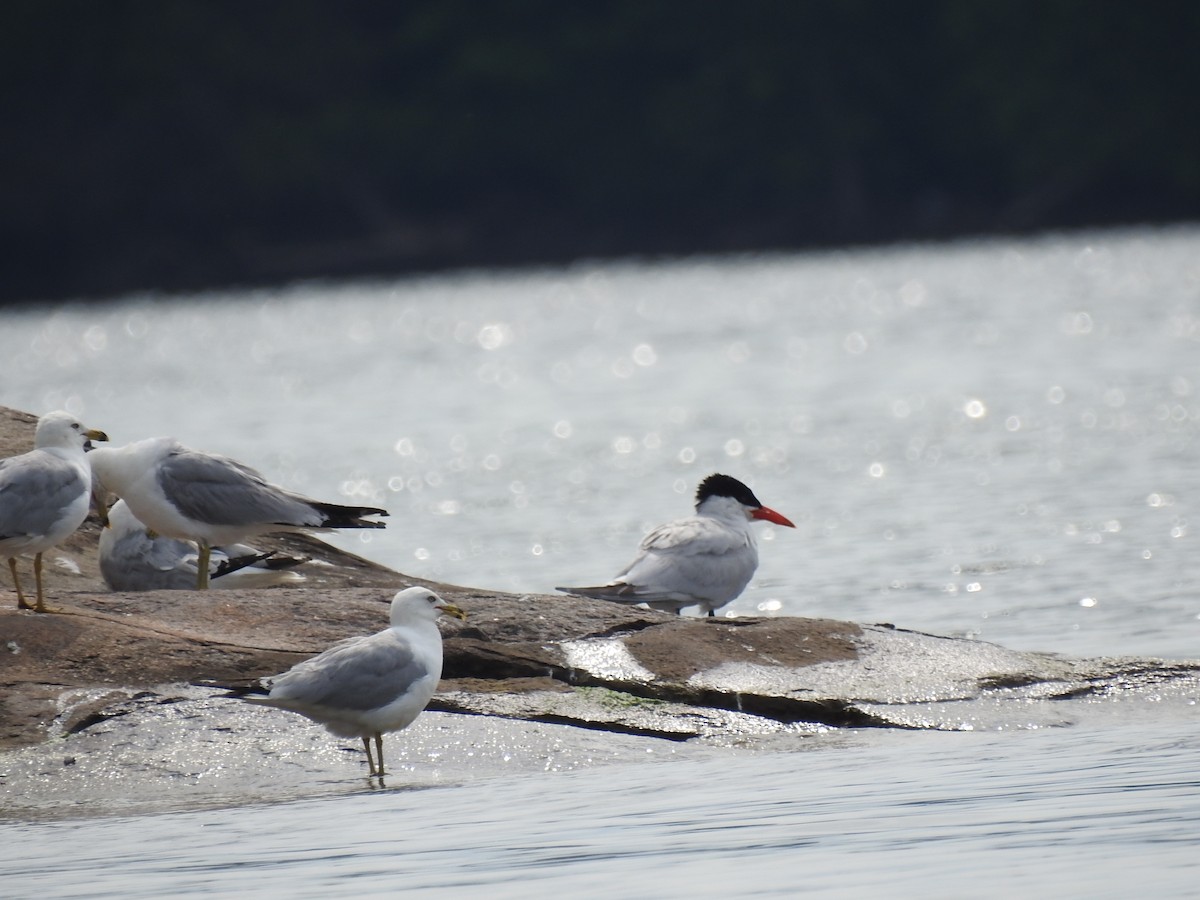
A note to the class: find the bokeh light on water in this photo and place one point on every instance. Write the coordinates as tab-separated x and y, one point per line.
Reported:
953	428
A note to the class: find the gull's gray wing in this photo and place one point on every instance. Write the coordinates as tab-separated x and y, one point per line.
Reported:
221	491
34	490
136	562
359	674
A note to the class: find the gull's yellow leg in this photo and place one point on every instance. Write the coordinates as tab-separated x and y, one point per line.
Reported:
202	565
22	603
379	752
370	760
37	577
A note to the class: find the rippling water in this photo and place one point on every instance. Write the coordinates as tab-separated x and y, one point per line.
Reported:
1052	814
995	439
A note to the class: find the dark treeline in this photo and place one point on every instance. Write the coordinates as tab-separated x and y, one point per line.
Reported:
188	143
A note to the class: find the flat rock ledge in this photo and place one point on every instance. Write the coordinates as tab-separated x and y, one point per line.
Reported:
547	659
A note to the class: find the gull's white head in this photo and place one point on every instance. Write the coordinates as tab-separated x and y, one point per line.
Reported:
417	603
121	521
116	468
61	429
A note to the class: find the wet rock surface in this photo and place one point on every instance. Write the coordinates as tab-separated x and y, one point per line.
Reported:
540	658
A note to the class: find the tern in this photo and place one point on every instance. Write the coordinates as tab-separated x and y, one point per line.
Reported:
705	560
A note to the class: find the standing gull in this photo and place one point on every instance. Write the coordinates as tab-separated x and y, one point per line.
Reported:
44	494
705	560
133	560
365	686
210	499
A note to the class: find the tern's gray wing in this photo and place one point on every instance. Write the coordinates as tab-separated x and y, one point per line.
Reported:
220	491
683	562
358	675
693	536
719	570
34	490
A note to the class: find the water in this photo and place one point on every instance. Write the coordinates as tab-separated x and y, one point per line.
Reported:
1054	813
993	439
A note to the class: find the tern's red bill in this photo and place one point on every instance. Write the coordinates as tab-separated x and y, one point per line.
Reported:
769	515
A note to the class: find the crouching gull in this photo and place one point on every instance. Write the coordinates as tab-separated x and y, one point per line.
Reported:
209	499
44	494
366	686
131	559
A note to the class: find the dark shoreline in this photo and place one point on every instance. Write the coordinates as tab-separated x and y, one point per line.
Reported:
383	257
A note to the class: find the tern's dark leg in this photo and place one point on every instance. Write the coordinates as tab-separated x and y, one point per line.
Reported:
202	565
712	613
22	603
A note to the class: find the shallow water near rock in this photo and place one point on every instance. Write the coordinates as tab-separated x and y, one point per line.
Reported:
993	439
1060	812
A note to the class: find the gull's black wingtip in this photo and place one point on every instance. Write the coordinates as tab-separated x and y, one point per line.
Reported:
236	563
337	516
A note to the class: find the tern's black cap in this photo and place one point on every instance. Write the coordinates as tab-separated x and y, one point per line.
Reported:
718	485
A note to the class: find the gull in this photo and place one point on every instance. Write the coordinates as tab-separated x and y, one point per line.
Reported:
365	686
209	499
131	559
705	560
44	494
